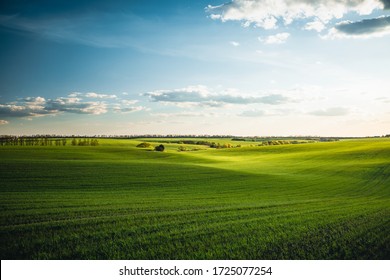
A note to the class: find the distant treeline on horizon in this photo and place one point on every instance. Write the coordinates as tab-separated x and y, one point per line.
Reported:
46	141
232	137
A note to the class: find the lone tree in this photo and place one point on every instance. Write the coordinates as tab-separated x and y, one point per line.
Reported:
159	148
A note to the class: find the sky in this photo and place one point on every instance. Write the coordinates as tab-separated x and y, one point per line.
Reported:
205	67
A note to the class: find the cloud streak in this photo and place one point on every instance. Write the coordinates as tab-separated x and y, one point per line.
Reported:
202	96
376	27
331	112
93	27
125	110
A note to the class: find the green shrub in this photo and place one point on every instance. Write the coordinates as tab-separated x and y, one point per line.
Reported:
144	145
159	148
182	149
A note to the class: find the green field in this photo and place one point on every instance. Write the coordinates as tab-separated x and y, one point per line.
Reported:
117	201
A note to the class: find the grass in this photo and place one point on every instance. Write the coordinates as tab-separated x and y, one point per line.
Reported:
116	201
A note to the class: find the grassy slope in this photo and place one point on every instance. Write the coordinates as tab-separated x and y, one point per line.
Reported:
115	201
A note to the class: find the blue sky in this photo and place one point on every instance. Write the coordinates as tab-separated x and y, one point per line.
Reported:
245	67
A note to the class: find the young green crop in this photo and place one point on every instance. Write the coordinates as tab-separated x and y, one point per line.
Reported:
117	201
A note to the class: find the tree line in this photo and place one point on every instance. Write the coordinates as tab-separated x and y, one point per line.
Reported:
205	143
45	141
284	142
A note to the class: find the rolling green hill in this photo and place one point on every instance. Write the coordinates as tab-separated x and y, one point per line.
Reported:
117	201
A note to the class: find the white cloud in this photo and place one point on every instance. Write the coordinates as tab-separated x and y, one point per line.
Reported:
234	43
75	102
267	23
214	16
331	112
3	122
35	100
28	107
39	106
254	113
101	96
75	94
383	99
129	102
279	38
270	14
185	115
315	25
75	105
